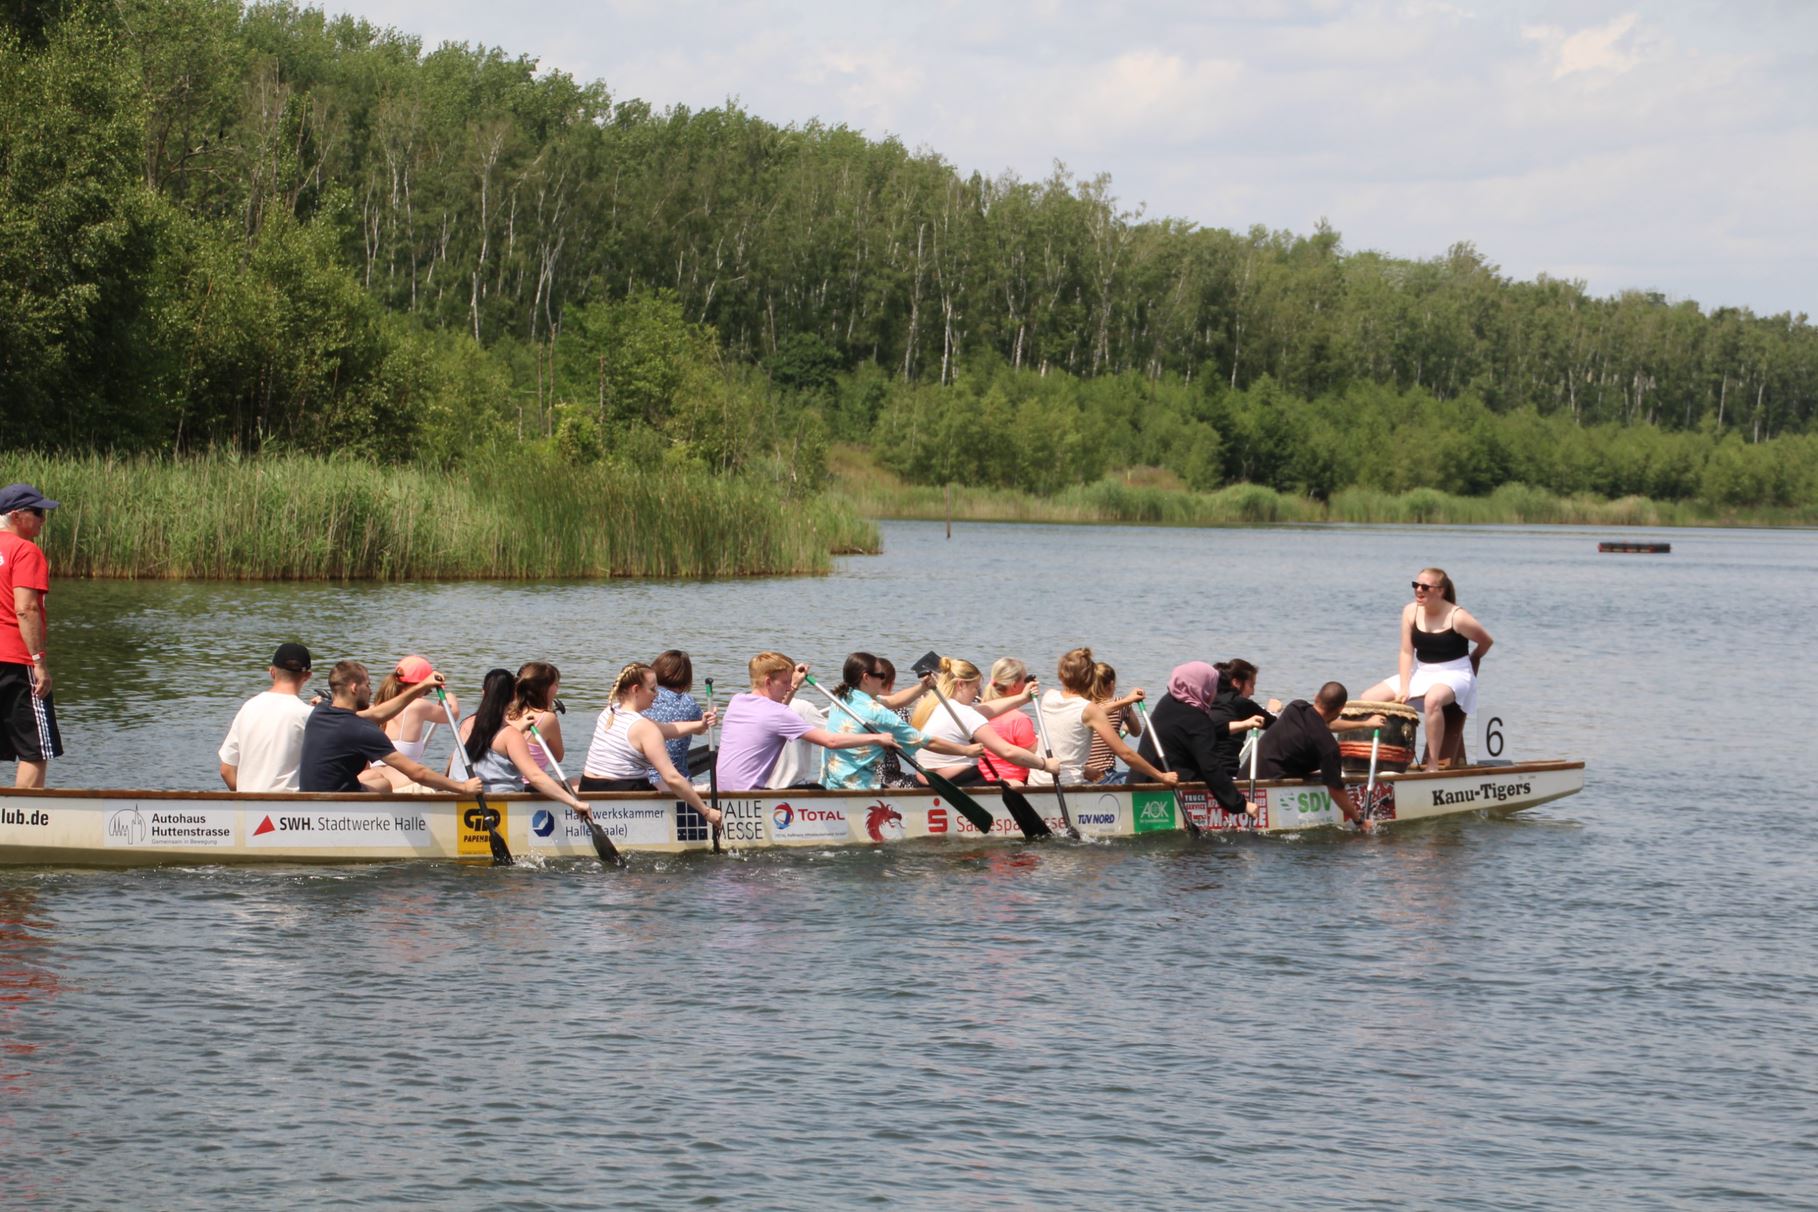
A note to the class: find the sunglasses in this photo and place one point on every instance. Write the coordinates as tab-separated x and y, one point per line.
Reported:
1423	587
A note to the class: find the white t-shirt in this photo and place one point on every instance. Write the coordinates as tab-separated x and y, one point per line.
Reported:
266	741
940	727
800	761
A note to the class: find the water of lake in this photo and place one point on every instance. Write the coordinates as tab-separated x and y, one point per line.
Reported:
1610	1000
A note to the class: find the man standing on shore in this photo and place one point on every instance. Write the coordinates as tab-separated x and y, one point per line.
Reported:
28	721
265	743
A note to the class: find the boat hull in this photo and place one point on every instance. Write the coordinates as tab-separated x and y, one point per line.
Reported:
140	828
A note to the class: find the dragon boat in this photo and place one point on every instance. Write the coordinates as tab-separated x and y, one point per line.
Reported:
142	828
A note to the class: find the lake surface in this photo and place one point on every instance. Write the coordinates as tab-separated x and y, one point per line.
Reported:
1611	1000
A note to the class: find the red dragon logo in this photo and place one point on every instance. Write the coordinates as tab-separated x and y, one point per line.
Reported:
884	823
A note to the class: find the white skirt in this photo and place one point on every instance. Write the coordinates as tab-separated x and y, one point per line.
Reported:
1457	674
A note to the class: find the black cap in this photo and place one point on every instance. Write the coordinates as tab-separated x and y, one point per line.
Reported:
291	656
23	496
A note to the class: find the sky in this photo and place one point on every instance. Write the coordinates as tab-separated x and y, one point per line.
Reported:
1654	146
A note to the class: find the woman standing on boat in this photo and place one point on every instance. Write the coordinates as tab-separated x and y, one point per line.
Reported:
627	748
959	681
861	688
1438	668
499	755
1072	719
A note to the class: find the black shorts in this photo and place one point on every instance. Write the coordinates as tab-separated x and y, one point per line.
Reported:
28	726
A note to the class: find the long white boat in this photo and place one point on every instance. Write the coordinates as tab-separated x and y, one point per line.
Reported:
139	828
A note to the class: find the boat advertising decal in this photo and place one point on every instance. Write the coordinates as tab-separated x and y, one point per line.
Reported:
808	823
137	824
338	826
1153	811
556	827
1208	814
742	820
473	825
883	823
937	819
1482	795
1095	817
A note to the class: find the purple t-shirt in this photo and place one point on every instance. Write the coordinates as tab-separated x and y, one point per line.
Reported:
752	735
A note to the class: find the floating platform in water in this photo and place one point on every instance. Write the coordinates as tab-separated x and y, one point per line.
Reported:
1637	548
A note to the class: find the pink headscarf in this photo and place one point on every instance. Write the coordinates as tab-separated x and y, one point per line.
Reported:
1194	684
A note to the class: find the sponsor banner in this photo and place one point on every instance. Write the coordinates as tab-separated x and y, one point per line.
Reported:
883	823
1486	794
143	824
556	827
1153	811
35	818
937	818
473	825
808	822
1097	816
1303	807
349	827
1207	814
742	819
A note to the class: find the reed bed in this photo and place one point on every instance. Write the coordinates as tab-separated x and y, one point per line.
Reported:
875	492
286	517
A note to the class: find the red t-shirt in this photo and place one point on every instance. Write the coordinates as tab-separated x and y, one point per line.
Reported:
22	566
1016	728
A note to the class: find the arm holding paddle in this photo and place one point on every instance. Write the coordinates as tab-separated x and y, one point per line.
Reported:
417	772
517	748
1095	718
647	738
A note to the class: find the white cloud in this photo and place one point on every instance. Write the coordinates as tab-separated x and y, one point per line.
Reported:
1589	50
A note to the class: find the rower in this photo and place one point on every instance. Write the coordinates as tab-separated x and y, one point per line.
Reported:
338	743
759	723
1301	745
265	742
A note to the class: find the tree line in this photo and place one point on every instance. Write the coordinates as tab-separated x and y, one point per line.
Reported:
261	226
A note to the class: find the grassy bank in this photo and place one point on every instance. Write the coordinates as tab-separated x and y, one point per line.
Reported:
309	518
1152	497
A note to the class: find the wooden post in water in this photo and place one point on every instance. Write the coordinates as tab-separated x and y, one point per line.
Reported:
949	511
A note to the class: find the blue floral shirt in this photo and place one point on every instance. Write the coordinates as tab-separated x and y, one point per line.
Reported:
672	707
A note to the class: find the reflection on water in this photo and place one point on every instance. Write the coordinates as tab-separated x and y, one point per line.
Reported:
1607	1000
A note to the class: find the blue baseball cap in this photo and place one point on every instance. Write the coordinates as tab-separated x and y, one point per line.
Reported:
23	496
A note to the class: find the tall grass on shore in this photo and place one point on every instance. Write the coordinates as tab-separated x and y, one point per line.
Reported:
1152	497
292	517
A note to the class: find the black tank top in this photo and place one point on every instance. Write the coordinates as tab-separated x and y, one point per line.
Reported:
1438	647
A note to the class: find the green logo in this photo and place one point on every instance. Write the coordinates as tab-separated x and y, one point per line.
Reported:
1154	811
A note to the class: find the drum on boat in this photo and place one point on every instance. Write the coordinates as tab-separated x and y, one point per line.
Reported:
1397	750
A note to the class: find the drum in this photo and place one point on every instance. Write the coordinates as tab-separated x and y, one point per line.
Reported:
1397	750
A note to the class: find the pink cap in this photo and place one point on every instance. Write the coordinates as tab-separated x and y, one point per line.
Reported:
413	669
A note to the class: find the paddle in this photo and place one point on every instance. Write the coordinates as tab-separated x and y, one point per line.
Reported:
501	853
1369	804
1041	728
602	845
1021	810
1162	757
1255	748
713	772
968	807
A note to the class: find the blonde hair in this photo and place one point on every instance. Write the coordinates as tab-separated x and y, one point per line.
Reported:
1075	671
1005	671
631	675
954	670
766	665
1104	681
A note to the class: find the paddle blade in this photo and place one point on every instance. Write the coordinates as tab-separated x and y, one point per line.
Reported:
930	662
602	845
501	853
968	807
1024	814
